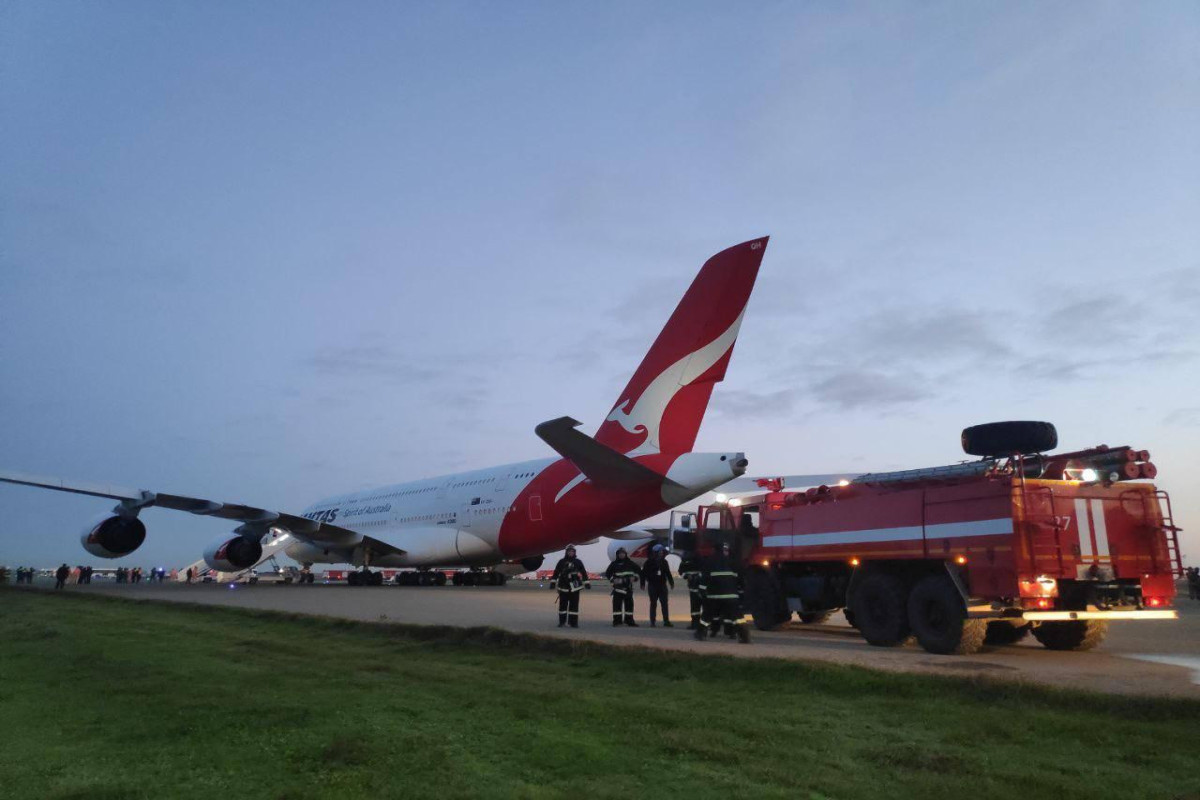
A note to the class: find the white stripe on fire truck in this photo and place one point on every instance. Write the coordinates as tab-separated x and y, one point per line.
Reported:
1084	527
945	530
1101	527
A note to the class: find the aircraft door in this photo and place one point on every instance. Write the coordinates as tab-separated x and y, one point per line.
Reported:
467	513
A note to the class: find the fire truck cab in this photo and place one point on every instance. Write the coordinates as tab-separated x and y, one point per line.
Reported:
961	556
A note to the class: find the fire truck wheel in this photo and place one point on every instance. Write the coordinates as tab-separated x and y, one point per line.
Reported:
765	601
939	618
1003	632
879	610
1081	634
1007	438
815	618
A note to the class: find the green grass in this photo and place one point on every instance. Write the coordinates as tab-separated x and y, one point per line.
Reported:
109	698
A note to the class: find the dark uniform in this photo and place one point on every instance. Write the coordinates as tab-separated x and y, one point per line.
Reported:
656	577
689	570
569	578
60	576
623	573
721	586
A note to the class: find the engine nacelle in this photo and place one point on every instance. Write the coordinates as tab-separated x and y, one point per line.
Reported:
514	568
638	550
233	554
113	536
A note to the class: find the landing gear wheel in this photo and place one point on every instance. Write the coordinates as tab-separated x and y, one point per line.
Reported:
374	578
1083	634
468	579
439	578
765	600
424	579
353	579
939	618
815	617
879	609
1001	633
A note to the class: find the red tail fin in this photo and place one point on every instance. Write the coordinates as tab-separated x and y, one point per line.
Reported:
664	403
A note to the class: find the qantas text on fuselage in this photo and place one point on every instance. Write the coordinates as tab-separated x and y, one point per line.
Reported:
638	464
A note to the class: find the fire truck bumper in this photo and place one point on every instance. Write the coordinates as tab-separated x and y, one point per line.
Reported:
1057	616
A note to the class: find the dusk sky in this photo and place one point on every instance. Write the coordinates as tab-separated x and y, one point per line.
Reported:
266	252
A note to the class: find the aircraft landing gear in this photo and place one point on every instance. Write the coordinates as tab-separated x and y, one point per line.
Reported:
479	577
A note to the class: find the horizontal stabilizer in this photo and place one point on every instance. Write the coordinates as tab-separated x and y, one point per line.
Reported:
601	465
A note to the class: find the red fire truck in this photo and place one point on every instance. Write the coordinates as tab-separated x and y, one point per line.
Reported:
960	556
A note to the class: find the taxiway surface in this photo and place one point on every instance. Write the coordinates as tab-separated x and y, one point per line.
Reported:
1160	657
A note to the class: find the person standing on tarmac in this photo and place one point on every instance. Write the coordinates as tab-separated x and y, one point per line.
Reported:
656	577
622	573
60	576
569	578
689	570
721	587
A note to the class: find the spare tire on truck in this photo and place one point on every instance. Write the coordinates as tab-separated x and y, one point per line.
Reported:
1009	438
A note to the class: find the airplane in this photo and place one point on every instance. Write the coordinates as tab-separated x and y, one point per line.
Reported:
639	463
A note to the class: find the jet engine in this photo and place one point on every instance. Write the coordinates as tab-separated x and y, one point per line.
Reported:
513	568
638	550
231	555
113	536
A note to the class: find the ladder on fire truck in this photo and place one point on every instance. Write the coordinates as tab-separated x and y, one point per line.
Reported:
1042	531
1168	527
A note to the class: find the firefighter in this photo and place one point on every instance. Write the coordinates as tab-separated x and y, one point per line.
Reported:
689	570
656	577
1193	582
721	587
622	573
568	578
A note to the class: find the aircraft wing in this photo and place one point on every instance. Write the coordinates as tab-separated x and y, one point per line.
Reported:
136	499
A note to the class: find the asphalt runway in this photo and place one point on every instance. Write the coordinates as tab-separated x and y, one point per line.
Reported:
1159	657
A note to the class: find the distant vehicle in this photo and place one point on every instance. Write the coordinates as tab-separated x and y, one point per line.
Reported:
639	463
985	552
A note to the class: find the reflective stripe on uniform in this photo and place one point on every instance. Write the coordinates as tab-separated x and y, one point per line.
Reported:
722	597
722	574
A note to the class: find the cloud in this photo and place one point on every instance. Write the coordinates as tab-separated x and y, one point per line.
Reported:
933	333
754	405
855	388
373	361
1188	417
1067	368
